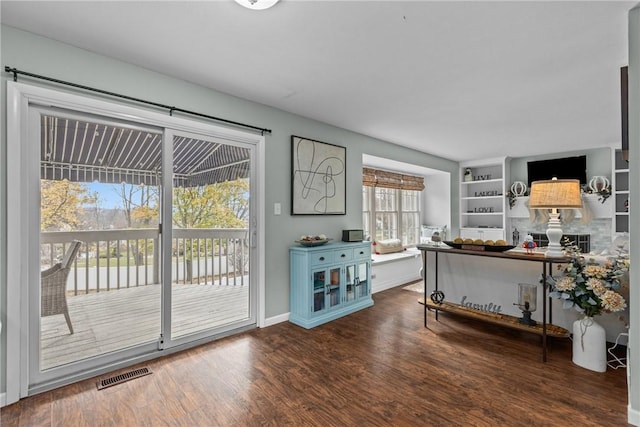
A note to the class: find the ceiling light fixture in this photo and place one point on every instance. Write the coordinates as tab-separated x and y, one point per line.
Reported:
257	4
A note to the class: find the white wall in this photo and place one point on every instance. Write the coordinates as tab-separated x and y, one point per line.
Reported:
437	203
634	219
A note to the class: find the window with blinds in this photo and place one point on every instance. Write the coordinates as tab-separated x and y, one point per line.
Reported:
391	205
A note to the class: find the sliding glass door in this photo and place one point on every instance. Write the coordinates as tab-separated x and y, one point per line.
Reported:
211	211
99	286
142	244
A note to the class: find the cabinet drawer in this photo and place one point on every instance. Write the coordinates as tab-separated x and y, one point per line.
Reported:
343	255
321	258
363	253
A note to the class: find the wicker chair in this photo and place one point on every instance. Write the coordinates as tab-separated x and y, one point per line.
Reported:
54	285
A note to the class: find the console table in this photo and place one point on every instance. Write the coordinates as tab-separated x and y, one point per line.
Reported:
544	330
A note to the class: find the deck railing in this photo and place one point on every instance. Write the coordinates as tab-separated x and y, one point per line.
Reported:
115	259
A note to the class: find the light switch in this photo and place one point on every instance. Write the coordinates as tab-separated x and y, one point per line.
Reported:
277	209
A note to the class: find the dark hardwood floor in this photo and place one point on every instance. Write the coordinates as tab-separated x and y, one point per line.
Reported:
377	367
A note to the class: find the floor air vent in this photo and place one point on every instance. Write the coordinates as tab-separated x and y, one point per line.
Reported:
120	378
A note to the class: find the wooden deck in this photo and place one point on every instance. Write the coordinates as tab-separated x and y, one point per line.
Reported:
108	321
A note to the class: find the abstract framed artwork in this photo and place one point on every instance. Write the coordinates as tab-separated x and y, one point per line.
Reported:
318	177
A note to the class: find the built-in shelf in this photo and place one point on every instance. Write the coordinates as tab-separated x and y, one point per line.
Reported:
482	200
482	181
620	186
500	196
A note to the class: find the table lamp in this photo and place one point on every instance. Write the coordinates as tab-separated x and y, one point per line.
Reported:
555	194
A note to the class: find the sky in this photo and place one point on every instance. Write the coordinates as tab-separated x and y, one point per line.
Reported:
109	198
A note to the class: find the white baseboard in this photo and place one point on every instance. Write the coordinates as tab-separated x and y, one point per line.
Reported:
270	321
3	400
633	416
388	284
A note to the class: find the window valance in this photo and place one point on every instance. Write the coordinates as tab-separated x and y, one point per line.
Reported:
380	178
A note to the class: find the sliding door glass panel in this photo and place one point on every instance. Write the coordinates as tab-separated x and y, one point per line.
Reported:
99	242
210	286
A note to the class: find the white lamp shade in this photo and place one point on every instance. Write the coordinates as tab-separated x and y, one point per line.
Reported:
555	194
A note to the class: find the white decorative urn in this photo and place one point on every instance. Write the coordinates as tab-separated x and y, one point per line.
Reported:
598	184
519	188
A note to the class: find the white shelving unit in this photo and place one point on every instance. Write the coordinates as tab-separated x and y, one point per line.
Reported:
482	199
621	193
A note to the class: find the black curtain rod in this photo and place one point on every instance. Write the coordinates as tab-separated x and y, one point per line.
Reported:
130	98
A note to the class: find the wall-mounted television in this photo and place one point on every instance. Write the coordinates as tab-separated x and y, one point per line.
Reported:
563	168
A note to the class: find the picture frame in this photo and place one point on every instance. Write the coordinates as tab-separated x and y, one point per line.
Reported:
318	177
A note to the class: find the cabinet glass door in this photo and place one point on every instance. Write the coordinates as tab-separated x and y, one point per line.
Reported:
319	284
356	283
350	283
362	284
333	288
326	289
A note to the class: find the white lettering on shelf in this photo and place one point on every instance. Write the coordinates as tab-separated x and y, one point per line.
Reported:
488	308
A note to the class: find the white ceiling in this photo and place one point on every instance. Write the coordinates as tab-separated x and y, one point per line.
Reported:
463	80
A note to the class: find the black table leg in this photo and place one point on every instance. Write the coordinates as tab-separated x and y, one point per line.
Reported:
424	281
544	311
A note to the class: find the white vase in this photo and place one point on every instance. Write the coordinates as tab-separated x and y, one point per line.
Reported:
589	345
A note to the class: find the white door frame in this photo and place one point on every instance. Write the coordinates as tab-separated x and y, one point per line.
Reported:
23	227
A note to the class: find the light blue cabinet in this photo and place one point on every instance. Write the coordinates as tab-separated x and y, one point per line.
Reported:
329	281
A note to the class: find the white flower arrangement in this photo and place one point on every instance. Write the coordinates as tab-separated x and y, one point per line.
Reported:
589	287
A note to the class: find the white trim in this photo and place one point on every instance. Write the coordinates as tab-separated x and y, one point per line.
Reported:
16	109
633	378
633	416
275	320
260	206
19	232
166	237
3	400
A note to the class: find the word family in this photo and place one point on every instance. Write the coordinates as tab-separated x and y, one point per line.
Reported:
487	308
